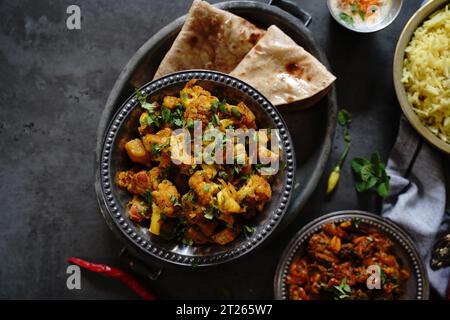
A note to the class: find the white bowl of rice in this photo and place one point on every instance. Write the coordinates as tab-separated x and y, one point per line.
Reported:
422	72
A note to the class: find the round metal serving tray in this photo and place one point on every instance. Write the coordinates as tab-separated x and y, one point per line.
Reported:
312	129
416	287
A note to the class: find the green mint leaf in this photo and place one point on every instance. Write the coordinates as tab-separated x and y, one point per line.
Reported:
361	186
358	163
376	159
344	117
383	189
366	172
371	182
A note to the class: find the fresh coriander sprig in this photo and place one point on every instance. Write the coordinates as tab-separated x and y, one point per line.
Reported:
342	290
248	231
371	174
344	119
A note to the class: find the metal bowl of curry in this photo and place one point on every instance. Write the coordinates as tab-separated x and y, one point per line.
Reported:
351	255
115	199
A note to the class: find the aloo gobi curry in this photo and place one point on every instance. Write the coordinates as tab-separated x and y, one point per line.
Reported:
189	202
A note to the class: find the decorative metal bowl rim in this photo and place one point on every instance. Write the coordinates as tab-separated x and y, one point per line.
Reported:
107	180
385	225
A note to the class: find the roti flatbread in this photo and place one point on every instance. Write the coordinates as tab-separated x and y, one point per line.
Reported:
210	39
282	70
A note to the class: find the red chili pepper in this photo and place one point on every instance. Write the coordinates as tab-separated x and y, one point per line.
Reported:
129	280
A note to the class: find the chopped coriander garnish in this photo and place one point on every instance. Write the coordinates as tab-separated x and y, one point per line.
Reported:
211	212
216	120
190	124
166	114
174	200
235	112
154	120
156	148
142	98
214	105
342	290
222	105
356	222
222	175
206	187
208	215
248	231
347	19
187	241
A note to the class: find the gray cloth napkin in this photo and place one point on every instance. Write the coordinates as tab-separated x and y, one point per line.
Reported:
417	200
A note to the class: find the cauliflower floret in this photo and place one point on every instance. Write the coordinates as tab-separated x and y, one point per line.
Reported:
205	190
210	171
158	144
198	110
124	178
171	102
167	198
141	182
226	202
255	192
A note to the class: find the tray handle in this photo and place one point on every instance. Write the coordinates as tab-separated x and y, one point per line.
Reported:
293	9
138	266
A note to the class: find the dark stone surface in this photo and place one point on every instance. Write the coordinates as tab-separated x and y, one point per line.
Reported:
54	84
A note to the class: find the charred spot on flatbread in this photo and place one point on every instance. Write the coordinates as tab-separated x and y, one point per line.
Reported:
282	70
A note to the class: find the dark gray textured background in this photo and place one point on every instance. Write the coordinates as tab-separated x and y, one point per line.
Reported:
54	83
